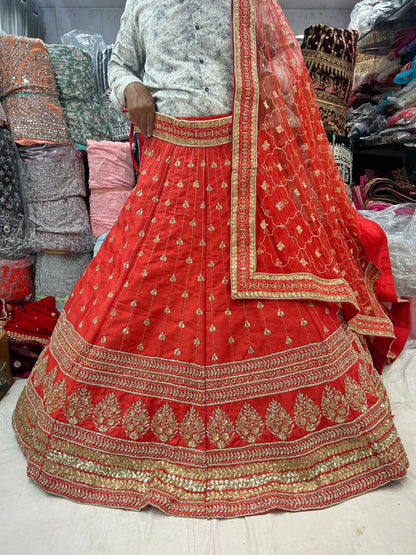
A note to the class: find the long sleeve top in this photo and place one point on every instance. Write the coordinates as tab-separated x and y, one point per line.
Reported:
181	50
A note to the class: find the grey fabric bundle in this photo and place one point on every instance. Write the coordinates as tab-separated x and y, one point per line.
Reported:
56	274
52	172
60	225
54	187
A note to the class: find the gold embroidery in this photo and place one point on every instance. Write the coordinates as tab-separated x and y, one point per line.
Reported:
307	415
79	406
334	405
192	428
106	414
278	421
367	382
164	423
120	472
56	396
355	395
249	424
136	421
40	369
220	429
48	381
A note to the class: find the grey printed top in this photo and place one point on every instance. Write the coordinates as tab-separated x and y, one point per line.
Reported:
181	50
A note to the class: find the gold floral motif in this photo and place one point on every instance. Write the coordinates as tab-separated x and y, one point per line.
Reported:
220	429
106	414
79	406
48	381
334	405
307	415
278	421
356	397
40	371
192	428
367	381
136	421
55	399
164	423
249	424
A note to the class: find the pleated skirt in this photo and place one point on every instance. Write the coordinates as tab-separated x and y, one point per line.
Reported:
158	388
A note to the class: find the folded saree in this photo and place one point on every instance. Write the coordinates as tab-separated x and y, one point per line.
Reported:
77	89
111	179
28	92
13	237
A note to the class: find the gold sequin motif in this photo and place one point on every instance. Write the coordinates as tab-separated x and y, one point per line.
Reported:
79	406
136	421
278	420
307	415
106	414
164	423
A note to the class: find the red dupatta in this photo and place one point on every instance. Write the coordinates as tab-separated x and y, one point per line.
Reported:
294	233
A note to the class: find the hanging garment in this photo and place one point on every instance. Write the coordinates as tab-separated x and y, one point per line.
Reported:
111	179
13	236
78	93
117	122
213	360
330	55
28	92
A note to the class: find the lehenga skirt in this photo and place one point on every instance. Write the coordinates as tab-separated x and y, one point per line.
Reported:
158	388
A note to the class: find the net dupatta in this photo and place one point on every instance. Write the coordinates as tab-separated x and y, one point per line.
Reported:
294	233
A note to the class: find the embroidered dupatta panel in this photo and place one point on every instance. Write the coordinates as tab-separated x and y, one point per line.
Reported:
295	234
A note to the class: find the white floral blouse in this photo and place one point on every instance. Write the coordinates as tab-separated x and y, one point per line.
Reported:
181	50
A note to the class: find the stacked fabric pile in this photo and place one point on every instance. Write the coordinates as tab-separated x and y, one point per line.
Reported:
111	180
51	170
16	284
384	102
55	191
28	92
379	190
29	96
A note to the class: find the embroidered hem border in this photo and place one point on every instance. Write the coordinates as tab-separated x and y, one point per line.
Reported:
88	466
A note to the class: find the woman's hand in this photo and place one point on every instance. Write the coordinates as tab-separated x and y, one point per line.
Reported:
140	107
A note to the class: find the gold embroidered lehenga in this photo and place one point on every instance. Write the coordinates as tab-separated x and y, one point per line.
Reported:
217	358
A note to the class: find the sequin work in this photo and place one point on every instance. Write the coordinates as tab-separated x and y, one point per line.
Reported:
158	388
29	93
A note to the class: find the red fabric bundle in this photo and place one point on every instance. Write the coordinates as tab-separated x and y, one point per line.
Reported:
28	328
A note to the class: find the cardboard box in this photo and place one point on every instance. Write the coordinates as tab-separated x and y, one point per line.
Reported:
6	378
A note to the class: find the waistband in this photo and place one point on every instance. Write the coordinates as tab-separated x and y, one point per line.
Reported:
193	132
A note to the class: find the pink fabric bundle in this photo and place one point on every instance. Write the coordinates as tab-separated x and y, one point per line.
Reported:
111	179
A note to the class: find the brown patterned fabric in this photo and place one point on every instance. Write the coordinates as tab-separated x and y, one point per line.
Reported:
330	55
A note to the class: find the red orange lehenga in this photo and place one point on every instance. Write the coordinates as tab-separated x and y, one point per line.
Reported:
214	360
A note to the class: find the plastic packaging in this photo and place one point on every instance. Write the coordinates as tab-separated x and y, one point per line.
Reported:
364	120
366	14
399	224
